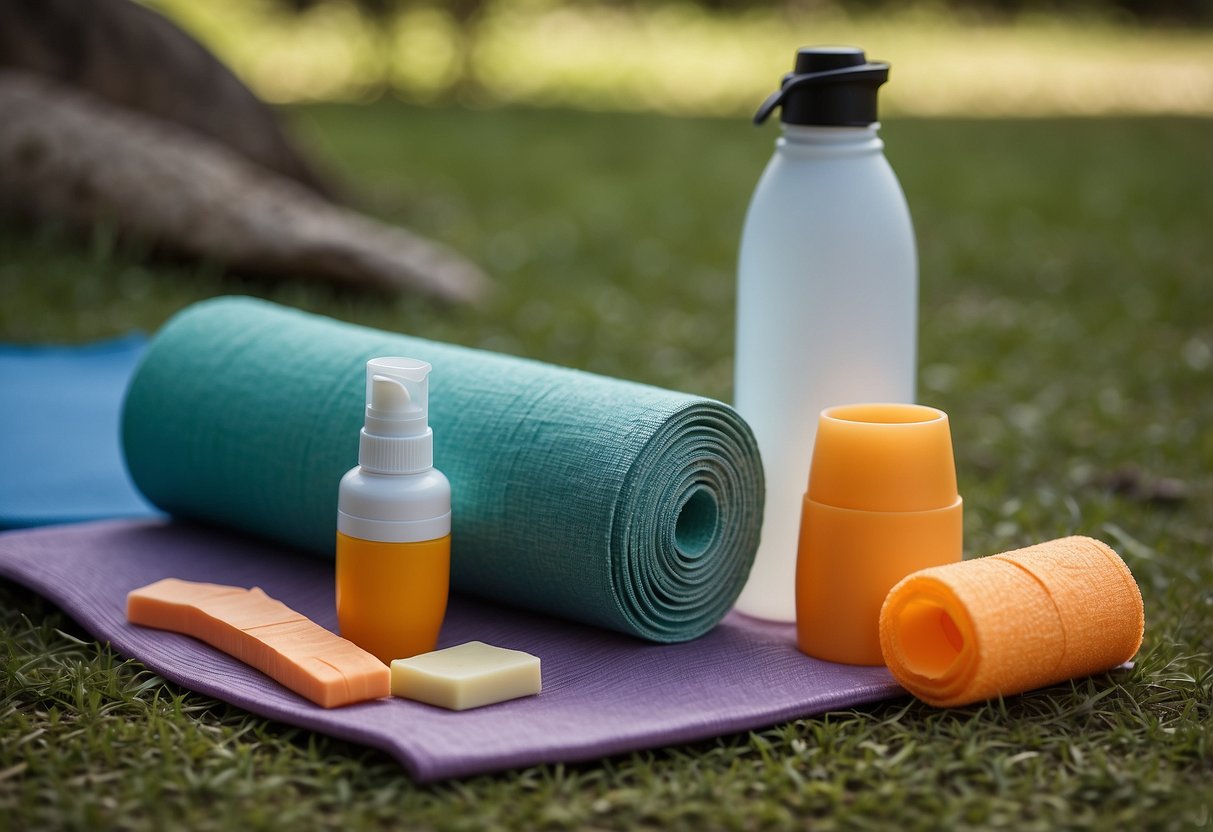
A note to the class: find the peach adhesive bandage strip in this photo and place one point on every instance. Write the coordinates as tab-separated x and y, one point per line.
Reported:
264	633
1008	623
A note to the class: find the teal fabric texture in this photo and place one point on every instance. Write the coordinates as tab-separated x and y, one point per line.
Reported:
603	501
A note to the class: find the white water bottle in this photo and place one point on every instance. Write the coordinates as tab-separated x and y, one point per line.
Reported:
827	291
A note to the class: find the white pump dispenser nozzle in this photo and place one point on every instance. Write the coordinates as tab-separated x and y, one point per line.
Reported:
389	395
396	438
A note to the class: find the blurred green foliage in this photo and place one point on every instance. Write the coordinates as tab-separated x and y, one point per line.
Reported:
1182	12
688	59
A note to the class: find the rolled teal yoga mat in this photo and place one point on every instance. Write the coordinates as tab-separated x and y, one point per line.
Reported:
604	501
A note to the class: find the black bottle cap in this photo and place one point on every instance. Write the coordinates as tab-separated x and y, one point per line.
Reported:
831	86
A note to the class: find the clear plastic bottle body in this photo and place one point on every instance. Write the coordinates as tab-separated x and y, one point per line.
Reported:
826	315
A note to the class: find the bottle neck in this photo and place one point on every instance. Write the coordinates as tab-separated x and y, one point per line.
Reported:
396	455
816	140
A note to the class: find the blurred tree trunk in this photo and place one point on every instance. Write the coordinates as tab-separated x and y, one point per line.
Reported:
468	16
110	114
71	157
134	58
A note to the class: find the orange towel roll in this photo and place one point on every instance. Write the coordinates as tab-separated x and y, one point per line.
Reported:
265	633
1009	623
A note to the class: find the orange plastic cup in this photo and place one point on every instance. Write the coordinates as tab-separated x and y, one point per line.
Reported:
881	503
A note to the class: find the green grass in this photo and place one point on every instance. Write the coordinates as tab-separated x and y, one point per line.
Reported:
1067	327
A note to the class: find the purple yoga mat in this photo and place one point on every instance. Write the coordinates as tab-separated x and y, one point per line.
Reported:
603	693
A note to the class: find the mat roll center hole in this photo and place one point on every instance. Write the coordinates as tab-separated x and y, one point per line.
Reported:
930	640
696	524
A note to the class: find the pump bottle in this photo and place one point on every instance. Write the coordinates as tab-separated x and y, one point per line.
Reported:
827	291
394	520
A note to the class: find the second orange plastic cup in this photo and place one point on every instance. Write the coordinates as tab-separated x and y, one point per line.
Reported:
882	502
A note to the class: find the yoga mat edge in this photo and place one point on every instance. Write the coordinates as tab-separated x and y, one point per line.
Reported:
604	693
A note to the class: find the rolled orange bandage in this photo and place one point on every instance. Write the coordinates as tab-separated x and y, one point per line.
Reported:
1009	623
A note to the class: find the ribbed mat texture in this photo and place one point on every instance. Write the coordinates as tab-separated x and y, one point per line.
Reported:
603	501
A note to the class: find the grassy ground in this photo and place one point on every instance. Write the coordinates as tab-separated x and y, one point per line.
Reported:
1067	327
